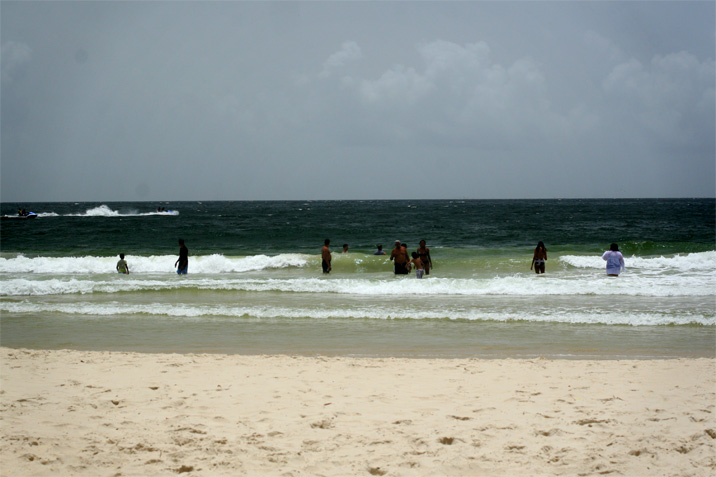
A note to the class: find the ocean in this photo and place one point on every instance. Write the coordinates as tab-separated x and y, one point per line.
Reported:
255	284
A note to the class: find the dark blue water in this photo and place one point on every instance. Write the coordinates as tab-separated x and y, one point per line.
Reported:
640	226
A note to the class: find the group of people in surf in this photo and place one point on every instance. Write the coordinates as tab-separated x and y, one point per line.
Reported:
422	261
613	257
402	262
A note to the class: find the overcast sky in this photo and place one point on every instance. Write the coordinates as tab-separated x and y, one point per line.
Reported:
105	101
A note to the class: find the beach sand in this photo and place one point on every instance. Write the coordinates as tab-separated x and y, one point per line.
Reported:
115	413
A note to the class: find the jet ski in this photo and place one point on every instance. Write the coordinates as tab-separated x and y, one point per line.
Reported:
24	214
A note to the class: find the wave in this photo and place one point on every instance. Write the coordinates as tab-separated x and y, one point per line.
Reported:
700	262
105	211
517	285
202	312
691	261
215	263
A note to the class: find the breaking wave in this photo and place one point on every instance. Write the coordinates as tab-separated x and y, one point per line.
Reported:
223	312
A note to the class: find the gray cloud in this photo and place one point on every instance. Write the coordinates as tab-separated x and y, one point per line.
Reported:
348	53
245	100
15	55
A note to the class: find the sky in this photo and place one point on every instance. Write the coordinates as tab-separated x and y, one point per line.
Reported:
169	101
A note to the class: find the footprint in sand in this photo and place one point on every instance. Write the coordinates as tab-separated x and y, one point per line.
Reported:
324	424
460	418
447	441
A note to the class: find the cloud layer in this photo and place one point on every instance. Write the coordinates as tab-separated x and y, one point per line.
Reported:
239	101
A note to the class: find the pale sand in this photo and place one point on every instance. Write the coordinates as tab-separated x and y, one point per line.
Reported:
108	413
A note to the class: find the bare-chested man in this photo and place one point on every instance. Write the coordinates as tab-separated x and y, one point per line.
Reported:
400	255
326	257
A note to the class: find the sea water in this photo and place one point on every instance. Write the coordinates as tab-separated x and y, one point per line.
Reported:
255	283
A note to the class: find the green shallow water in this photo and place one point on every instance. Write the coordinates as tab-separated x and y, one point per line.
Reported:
366	338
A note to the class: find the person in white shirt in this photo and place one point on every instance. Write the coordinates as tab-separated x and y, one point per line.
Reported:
615	260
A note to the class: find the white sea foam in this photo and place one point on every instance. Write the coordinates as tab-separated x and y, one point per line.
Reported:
224	312
220	264
703	263
692	261
103	211
205	264
518	285
687	275
106	211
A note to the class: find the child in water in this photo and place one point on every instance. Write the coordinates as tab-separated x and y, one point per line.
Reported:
419	267
122	266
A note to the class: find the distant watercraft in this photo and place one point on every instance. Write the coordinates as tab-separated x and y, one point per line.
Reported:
23	215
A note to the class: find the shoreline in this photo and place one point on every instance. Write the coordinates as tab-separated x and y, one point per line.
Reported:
348	337
418	356
127	413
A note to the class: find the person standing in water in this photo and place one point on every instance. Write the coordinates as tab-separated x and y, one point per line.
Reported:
380	250
419	265
182	262
122	266
424	253
615	260
326	256
401	259
539	257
